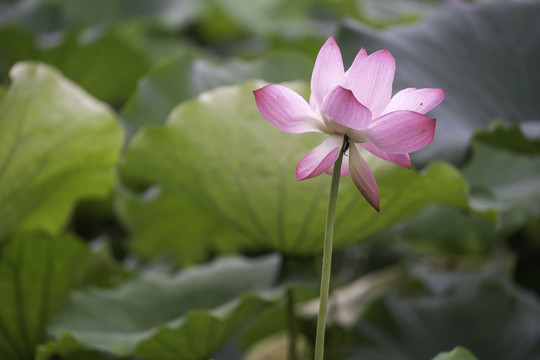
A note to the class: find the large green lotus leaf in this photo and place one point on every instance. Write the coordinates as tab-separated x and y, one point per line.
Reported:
458	353
187	75
507	181
403	194
482	311
163	315
57	145
36	273
170	226
485	55
218	156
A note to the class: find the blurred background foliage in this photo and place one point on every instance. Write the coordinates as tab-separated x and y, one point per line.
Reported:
148	211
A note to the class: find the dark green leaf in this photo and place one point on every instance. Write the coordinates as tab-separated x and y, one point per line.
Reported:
503	175
228	18
449	231
169	13
44	16
269	322
511	138
36	272
384	13
37	16
485	55
161	224
158	315
105	62
506	181
458	353
15	45
482	311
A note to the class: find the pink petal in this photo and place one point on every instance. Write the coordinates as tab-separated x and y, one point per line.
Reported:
286	110
417	100
362	54
342	107
327	72
344	168
363	178
401	131
318	160
371	78
398	159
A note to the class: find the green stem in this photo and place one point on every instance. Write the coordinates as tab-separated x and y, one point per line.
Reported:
327	252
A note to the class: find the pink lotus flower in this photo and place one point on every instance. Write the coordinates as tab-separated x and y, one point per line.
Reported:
356	103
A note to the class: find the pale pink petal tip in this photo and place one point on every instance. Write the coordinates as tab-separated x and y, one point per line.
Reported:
328	72
417	100
370	78
362	52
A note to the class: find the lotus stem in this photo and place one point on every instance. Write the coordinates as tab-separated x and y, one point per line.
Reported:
327	252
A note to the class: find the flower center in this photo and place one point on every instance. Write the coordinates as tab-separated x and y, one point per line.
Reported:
333	127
